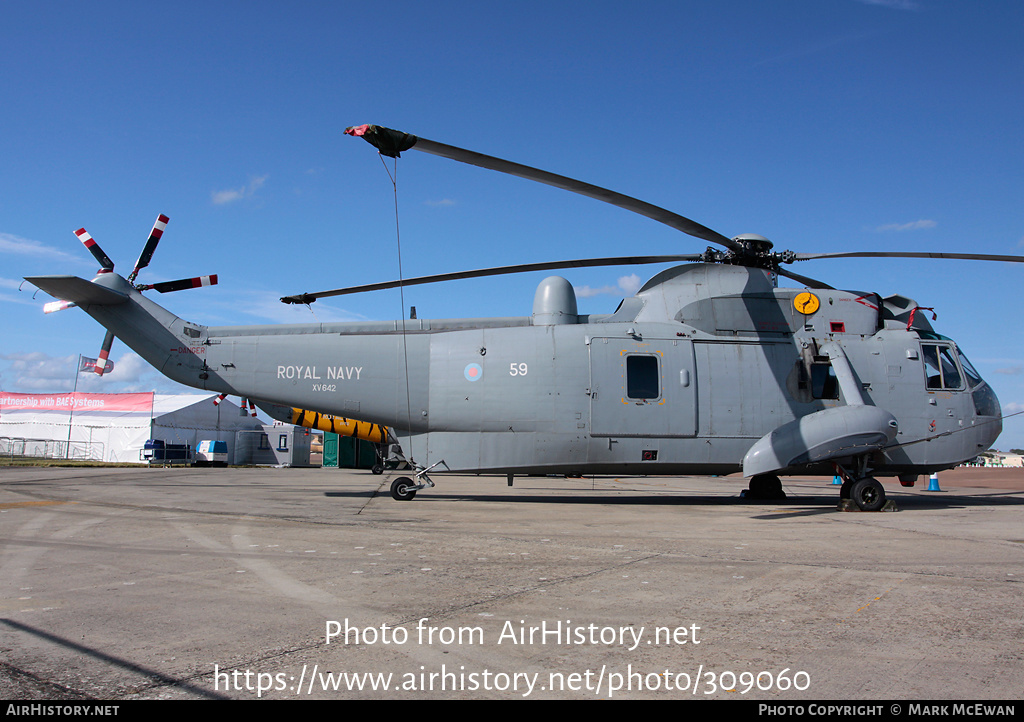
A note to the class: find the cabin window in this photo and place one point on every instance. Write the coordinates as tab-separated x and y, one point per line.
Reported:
642	378
940	368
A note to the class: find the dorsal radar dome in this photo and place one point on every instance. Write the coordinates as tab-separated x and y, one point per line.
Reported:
554	303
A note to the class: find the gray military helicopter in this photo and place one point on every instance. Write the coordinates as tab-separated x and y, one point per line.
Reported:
709	369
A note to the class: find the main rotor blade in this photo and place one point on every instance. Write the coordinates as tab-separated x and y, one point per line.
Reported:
497	271
147	251
392	142
909	254
94	248
809	282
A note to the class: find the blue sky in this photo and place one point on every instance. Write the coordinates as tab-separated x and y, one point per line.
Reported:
825	125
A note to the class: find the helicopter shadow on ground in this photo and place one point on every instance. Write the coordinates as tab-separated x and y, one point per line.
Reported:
582	497
819	503
952	500
597	499
938	501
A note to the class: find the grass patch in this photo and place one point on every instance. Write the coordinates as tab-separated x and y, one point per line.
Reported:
29	461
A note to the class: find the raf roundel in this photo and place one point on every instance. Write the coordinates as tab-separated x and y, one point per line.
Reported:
474	372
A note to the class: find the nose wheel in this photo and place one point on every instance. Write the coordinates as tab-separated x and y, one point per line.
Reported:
867	494
864	493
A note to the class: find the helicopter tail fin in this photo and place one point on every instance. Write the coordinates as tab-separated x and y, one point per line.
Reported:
78	290
154	333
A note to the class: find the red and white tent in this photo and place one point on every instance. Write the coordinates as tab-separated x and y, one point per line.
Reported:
114	427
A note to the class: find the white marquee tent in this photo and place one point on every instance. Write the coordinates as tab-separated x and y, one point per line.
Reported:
114	427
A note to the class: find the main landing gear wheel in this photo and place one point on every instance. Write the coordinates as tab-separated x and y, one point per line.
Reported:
867	494
403	489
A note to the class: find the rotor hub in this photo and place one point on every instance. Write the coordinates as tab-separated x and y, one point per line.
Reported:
754	244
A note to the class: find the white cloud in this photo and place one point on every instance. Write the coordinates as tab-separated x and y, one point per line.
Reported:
17	284
24	299
266	306
34	371
1010	370
912	226
231	195
16	245
630	284
441	203
627	286
222	197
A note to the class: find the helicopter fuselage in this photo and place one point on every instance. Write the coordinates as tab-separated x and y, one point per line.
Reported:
709	368
705	364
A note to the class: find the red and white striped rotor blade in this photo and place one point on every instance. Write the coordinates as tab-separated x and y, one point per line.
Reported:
101	362
181	284
54	306
147	251
94	248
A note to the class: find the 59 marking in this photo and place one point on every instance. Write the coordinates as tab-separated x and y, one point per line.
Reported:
517	369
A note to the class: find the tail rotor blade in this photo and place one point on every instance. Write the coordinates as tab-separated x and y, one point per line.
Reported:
94	248
147	252
181	284
54	306
101	362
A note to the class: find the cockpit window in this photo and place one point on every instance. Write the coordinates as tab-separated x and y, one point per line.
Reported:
940	367
973	377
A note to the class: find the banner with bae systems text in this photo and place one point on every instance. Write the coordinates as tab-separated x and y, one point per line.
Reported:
106	405
100	427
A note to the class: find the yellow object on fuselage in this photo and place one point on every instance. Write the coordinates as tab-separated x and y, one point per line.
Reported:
338	425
